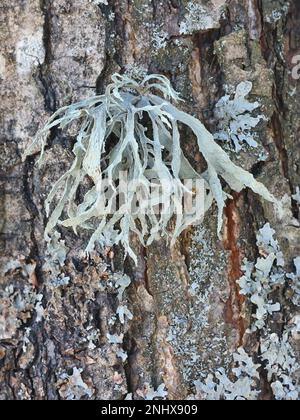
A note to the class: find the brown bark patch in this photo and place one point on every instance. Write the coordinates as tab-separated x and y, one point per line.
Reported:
234	304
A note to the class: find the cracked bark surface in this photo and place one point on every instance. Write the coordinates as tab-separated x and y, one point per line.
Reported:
53	53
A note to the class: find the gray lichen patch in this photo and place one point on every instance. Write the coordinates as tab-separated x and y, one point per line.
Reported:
149	393
30	52
72	387
242	386
278	351
263	277
236	122
74	72
282	366
240	379
267	275
202	16
22	53
275	11
96	300
295	282
17	307
209	292
191	333
92	332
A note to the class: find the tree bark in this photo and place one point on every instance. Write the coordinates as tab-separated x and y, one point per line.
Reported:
53	335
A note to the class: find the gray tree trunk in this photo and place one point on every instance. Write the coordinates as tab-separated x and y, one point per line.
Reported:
54	337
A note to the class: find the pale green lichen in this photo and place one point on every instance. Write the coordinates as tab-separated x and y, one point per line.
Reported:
144	154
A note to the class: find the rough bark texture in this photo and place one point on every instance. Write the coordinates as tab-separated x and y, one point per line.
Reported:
54	340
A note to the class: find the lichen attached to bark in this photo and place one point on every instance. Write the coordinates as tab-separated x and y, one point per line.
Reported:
145	129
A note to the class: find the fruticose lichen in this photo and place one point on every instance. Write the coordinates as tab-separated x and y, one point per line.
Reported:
235	120
147	151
